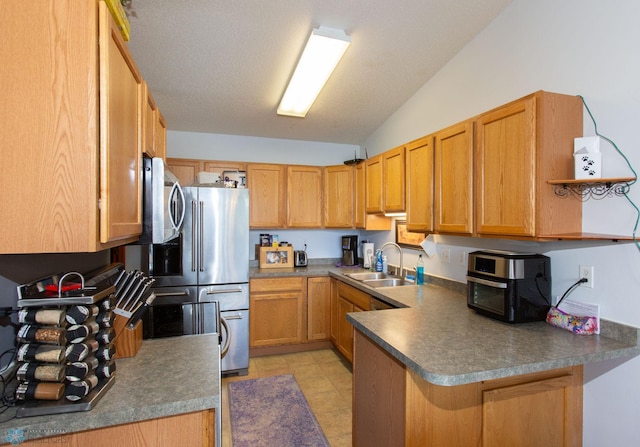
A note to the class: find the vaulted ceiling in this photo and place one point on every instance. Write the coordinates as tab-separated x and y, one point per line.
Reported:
221	66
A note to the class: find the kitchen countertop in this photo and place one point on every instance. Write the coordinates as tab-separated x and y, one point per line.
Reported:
168	376
436	335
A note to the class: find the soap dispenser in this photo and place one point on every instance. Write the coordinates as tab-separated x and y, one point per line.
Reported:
379	261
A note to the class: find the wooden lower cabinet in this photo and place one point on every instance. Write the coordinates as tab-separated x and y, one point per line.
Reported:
347	299
318	306
277	311
392	405
188	430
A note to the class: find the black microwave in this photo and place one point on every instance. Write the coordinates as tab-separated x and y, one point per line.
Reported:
508	286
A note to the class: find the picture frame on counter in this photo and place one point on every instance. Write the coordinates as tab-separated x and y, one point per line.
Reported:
406	238
275	257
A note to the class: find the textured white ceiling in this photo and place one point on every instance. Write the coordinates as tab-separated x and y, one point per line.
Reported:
221	66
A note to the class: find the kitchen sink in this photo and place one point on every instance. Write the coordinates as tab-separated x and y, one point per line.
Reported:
366	276
387	282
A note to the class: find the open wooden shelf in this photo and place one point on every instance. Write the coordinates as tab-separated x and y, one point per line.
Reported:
585	189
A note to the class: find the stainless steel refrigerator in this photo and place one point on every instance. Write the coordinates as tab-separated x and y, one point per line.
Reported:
202	276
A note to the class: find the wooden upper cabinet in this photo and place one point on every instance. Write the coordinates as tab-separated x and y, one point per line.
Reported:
154	127
361	218
454	179
160	135
62	132
149	109
121	104
304	196
419	184
221	166
338	196
393	170
519	147
360	185
374	187
185	169
267	185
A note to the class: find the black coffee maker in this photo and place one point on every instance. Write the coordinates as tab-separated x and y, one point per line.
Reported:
349	250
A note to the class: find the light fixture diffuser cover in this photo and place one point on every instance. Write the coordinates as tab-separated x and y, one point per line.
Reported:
321	55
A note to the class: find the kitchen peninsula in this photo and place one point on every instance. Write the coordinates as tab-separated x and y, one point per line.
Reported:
434	372
446	374
168	394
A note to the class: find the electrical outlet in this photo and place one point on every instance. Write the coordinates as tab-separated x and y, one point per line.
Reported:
586	271
461	258
445	255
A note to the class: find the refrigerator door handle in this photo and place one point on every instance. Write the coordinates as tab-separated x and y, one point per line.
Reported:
202	236
193	236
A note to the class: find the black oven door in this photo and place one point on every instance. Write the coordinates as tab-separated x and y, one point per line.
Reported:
176	311
490	298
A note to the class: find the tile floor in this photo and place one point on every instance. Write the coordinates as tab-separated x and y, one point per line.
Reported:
324	378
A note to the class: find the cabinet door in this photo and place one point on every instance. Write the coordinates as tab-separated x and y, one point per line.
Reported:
338	196
454	179
221	166
185	169
345	329
514	415
359	207
393	177
148	122
318	308
505	170
334	311
267	191
121	100
48	127
374	190
304	196
419	185
277	311
160	135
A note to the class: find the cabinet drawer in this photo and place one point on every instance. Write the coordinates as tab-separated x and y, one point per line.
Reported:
356	297
276	284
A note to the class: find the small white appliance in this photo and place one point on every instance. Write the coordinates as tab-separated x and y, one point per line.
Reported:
367	254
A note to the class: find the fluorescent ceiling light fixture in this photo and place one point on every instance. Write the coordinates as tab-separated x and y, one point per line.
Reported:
323	51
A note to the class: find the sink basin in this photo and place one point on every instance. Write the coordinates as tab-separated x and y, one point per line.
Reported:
387	282
365	276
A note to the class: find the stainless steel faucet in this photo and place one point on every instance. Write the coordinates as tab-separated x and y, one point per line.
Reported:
399	251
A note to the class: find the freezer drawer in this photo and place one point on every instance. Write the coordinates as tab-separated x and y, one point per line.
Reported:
237	358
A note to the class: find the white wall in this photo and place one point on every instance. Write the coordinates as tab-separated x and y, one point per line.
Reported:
581	47
207	146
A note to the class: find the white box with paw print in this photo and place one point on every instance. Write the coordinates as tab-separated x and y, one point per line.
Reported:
587	158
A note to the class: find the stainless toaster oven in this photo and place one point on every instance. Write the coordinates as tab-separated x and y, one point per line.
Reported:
508	286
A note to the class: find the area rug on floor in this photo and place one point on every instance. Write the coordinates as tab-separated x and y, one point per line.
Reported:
272	411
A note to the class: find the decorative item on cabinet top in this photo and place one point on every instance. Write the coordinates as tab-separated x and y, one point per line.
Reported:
116	7
223	179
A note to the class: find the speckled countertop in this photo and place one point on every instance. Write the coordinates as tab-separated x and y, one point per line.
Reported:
168	376
435	334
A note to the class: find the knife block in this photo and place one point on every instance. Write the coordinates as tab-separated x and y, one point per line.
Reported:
127	341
